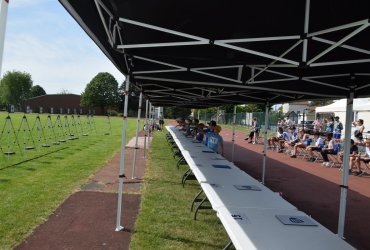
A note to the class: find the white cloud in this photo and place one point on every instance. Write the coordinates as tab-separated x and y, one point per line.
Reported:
52	48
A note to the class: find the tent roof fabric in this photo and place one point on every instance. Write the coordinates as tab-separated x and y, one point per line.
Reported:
207	53
361	104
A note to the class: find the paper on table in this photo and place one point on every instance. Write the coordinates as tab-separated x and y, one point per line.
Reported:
220	166
217	158
296	220
247	187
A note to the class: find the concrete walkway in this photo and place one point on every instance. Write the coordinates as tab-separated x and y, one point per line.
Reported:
87	219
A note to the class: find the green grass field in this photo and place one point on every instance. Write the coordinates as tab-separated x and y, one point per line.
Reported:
165	220
34	183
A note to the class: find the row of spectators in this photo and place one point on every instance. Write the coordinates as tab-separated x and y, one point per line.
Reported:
290	141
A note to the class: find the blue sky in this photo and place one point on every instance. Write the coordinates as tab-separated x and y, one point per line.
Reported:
44	40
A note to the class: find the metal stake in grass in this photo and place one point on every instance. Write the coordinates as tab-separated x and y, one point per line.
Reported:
61	132
26	128
81	126
108	126
67	129
8	125
73	124
40	132
50	131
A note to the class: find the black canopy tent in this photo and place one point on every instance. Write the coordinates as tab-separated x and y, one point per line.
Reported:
207	53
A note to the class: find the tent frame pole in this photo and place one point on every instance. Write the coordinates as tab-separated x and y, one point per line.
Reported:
119	226
344	186
265	143
137	136
233	138
146	126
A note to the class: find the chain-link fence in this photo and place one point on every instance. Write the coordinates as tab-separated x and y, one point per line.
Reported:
241	119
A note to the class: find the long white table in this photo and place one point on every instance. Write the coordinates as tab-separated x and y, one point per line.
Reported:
249	216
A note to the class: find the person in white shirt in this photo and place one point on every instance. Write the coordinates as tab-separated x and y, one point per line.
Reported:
363	158
317	146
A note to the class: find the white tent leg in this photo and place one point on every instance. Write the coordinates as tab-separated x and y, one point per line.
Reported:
3	17
146	126
137	136
119	227
233	140
265	143
150	123
344	186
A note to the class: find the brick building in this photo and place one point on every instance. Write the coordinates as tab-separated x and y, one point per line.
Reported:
58	104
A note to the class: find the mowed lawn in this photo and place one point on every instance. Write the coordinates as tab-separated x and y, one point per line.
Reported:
165	220
34	183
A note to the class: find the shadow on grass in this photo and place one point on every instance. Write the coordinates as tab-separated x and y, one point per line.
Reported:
4	180
34	158
180	239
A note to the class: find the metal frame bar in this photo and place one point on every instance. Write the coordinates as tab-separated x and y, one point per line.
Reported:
342	46
257	53
259	39
340	42
340	27
325	84
153	27
159	62
282	55
156	45
340	62
213	84
305	30
158	71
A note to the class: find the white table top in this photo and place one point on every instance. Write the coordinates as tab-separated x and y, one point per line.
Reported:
259	227
227	195
252	228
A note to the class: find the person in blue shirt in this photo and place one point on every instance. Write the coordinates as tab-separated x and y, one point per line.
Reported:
200	133
209	131
215	140
303	143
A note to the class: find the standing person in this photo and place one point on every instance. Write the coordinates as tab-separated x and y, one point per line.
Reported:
256	129
330	126
317	124
289	123
338	127
359	124
251	134
215	141
161	121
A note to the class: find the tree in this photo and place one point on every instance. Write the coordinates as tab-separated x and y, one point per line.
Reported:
102	91
176	112
64	92
316	103
15	87
37	90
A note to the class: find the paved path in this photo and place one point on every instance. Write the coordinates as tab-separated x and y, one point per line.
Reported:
87	219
